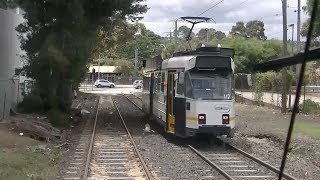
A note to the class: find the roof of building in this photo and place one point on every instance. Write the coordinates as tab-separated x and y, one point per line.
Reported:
104	69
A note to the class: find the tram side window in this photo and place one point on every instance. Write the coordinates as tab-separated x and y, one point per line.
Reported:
155	84
180	84
158	83
188	86
146	82
162	81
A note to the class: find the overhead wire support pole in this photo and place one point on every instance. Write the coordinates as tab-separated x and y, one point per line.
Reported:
298	90
175	34
298	66
284	53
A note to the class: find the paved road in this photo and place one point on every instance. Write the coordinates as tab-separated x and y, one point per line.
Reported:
124	89
275	99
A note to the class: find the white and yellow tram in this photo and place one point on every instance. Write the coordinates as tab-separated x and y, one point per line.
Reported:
192	92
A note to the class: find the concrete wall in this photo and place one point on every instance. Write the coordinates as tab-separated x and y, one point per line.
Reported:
10	59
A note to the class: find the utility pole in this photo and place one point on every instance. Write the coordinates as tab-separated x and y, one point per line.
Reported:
298	66
99	65
284	51
170	36
175	34
291	67
299	25
207	35
136	57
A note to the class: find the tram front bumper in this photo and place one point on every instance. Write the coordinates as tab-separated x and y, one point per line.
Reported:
211	130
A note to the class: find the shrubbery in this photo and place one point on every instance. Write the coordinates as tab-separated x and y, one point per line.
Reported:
58	118
270	82
31	103
310	107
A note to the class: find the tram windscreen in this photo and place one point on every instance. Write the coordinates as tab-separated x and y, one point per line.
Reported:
211	86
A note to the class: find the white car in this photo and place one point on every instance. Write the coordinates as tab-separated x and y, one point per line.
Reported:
104	83
138	84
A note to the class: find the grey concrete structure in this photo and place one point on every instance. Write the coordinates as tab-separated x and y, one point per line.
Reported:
10	59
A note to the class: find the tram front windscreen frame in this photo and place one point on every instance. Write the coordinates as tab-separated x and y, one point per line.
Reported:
209	85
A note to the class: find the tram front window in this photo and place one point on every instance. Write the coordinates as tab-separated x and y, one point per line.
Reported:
211	86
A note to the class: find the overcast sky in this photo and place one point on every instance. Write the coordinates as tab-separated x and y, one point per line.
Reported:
162	13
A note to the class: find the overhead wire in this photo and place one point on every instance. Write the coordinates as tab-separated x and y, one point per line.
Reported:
211	7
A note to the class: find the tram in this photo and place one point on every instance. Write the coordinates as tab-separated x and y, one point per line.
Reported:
192	92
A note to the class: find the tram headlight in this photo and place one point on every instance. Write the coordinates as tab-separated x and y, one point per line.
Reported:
201	119
225	119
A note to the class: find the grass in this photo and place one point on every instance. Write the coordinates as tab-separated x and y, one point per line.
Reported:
20	159
309	129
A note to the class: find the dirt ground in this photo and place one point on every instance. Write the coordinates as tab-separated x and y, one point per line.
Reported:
24	158
262	131
40	153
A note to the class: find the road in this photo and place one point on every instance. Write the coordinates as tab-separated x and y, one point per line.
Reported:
124	89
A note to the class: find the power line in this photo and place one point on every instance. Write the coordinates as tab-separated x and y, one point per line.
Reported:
203	8
237	5
211	7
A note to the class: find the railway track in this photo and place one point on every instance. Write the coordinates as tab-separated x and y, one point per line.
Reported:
108	149
234	163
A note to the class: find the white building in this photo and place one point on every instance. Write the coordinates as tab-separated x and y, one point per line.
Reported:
10	59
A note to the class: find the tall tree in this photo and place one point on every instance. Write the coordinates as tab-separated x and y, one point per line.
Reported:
5	4
59	38
202	34
220	35
239	29
255	29
305	26
146	42
184	31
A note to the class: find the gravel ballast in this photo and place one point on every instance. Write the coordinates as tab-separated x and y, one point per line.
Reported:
166	157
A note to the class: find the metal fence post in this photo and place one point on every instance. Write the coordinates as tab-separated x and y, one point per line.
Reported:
4	105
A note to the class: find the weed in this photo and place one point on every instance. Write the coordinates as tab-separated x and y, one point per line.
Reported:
58	118
310	107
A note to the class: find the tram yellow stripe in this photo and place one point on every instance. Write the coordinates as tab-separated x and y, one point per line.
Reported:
192	118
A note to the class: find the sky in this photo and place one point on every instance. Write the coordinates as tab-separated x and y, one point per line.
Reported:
162	13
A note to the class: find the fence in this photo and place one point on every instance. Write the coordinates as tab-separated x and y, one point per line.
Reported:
11	93
9	96
266	88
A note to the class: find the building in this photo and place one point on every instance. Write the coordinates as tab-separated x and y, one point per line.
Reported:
106	72
11	84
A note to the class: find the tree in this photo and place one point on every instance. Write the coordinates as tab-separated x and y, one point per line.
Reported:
252	51
220	35
202	34
5	4
239	30
255	29
184	31
59	39
305	26
147	43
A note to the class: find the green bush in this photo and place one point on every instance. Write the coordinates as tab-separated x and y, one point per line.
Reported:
31	103
310	107
58	118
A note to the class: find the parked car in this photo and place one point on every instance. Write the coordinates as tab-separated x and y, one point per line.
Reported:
138	84
104	83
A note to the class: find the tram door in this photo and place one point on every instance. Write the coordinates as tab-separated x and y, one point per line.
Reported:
170	98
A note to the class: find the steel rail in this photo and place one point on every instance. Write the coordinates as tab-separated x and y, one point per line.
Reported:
212	164
259	161
86	170
268	166
136	96
133	102
148	173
